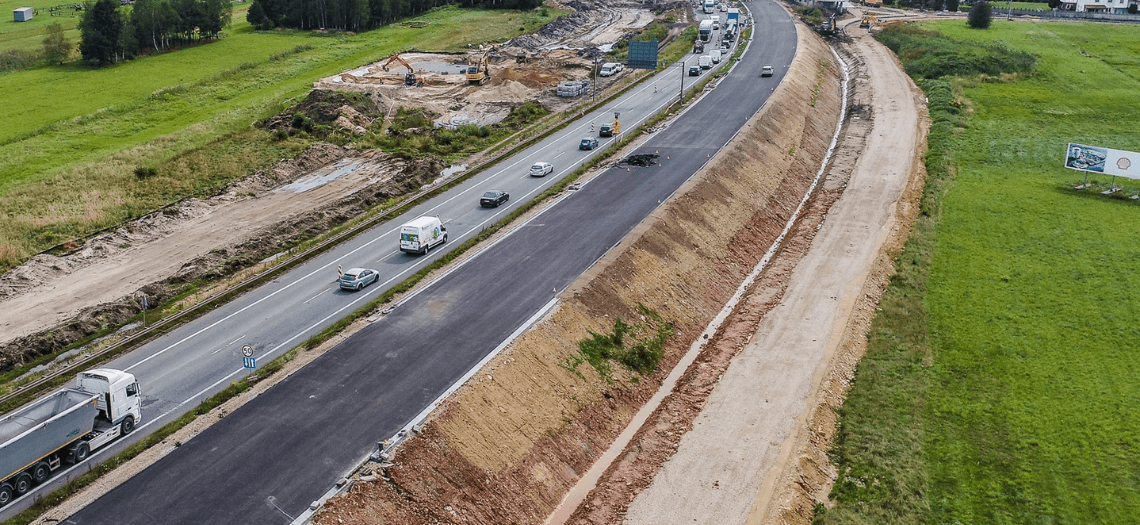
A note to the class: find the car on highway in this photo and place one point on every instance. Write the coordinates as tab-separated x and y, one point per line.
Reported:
606	131
705	61
715	54
357	278
723	8
540	169
588	143
694	71
493	198
766	71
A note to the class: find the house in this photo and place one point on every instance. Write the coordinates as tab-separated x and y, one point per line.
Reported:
22	14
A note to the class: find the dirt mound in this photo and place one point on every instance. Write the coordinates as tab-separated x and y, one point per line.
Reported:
323	107
511	442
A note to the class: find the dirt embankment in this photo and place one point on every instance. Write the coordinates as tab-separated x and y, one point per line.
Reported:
516	438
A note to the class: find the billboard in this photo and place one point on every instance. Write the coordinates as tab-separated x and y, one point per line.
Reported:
643	55
1117	163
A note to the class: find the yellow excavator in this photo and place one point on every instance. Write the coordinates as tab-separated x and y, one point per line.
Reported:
410	77
868	21
480	72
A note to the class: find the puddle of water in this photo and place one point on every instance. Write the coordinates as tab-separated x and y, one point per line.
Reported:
447	68
452	170
312	181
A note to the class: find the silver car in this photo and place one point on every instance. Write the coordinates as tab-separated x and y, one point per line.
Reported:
541	169
357	278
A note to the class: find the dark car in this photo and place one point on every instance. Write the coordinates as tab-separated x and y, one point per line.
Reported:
694	71
357	278
606	131
588	143
493	198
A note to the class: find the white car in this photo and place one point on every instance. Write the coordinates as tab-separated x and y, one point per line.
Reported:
766	71
541	169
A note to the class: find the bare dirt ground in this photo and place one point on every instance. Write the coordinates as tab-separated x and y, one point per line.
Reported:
52	301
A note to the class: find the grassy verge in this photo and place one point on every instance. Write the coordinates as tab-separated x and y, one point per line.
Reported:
997	386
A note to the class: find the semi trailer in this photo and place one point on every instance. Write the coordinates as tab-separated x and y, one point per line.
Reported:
65	428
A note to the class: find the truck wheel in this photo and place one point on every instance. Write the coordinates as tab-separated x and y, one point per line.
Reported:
6	494
23	484
128	425
40	472
82	450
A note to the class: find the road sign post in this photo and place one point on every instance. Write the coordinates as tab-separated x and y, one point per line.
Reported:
249	362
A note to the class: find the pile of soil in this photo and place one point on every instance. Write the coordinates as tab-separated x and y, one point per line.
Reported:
327	108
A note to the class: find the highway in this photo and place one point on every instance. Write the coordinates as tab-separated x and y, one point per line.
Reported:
267	461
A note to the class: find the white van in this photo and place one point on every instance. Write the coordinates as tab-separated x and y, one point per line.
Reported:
715	55
705	61
610	68
422	235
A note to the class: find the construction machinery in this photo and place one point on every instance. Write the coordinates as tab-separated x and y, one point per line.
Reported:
868	21
409	77
480	72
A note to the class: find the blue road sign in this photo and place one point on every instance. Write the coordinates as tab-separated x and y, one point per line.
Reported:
249	362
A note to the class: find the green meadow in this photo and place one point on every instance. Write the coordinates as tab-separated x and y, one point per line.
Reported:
70	145
999	385
30	35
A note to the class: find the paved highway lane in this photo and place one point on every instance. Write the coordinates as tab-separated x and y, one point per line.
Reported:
285	448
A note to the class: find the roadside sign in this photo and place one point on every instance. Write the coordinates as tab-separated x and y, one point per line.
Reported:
247	351
249	362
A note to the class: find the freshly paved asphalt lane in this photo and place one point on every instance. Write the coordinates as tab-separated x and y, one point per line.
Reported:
267	461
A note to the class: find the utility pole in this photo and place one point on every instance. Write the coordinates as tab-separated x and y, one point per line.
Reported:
682	99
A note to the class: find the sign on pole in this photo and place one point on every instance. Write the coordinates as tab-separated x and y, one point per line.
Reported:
249	362
643	55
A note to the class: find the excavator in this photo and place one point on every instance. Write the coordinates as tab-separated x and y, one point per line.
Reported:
479	72
868	21
410	77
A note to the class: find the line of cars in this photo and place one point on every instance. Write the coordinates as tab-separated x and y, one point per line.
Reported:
425	233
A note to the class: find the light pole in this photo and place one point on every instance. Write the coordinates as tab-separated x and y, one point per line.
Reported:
682	99
594	97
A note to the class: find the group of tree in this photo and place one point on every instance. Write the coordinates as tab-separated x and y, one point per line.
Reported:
355	15
110	32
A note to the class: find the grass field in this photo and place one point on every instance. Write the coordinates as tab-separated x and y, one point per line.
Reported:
69	147
30	35
999	382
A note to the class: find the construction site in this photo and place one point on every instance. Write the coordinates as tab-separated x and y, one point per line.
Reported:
555	67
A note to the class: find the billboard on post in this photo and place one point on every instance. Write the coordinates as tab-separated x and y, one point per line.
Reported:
1118	163
643	55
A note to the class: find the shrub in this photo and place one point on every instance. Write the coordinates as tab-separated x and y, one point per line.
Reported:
980	16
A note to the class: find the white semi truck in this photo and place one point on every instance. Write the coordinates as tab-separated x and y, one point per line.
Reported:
65	427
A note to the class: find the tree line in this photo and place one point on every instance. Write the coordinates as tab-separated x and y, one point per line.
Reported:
355	15
109	33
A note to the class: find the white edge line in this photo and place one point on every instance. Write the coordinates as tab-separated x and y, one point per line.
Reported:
403	432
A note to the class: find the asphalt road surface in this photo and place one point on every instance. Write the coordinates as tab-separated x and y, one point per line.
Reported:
267	461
